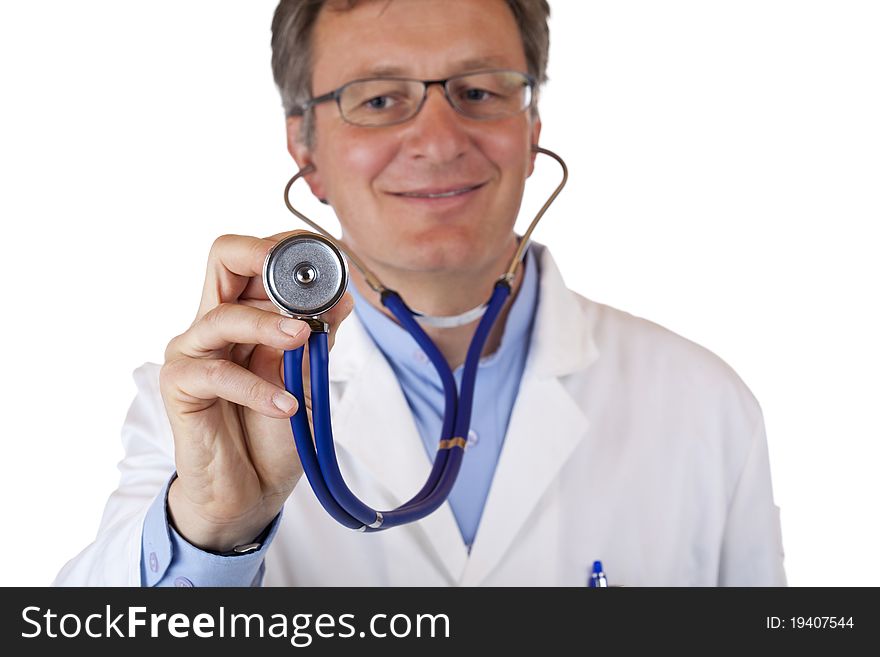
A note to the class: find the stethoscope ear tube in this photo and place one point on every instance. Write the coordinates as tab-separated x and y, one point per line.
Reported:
319	458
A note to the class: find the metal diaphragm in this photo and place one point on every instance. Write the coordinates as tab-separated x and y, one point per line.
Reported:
305	275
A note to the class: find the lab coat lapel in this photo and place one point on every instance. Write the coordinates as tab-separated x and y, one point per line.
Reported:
546	425
375	430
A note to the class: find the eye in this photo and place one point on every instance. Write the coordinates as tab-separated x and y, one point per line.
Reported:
475	95
379	102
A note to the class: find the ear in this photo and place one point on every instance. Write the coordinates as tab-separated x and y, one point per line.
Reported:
534	138
303	156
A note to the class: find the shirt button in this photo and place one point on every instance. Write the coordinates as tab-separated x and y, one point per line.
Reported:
420	356
473	439
182	582
154	562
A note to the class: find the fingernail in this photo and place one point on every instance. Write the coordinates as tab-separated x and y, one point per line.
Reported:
293	326
284	401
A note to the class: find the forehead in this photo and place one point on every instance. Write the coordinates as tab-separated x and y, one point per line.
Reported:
418	38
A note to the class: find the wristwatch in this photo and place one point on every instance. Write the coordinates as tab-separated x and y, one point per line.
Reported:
240	549
247	548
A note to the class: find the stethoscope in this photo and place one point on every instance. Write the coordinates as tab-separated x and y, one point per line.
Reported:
305	275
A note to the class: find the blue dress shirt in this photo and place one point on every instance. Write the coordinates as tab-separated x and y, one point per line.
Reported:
498	378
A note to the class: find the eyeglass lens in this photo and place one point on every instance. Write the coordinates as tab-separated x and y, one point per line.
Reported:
384	101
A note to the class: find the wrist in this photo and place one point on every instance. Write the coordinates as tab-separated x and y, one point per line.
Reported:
216	535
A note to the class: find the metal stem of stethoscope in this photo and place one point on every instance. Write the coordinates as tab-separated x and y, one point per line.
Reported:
318	456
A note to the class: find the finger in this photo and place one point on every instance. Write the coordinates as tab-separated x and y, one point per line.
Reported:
262	304
231	323
277	237
268	364
194	384
234	260
334	317
240	354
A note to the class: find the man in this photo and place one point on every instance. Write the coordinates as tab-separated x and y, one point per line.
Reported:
596	435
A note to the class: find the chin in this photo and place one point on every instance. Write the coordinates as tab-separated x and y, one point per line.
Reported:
439	254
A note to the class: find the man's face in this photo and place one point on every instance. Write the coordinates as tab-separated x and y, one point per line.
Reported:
383	182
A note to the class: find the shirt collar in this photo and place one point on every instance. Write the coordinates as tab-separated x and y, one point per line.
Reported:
399	347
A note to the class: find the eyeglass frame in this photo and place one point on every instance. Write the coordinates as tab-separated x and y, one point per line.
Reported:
337	93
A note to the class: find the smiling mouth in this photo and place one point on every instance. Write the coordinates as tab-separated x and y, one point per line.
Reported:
440	194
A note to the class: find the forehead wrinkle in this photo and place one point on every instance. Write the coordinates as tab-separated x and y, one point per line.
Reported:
463	66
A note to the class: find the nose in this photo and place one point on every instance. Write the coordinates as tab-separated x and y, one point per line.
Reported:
437	133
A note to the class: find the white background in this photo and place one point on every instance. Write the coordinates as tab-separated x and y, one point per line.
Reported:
725	183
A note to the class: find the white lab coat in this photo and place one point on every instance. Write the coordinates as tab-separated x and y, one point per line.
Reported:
627	444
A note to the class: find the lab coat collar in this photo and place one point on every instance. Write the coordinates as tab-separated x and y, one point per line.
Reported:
375	429
562	338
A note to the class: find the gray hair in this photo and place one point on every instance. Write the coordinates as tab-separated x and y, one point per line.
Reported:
292	27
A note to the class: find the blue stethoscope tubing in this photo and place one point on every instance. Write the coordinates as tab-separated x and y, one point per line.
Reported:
318	457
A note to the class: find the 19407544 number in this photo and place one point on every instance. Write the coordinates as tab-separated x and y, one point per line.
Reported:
809	622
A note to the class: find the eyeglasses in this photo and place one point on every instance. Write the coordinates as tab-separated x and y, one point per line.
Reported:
378	102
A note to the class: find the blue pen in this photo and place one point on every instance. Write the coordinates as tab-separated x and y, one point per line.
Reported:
597	578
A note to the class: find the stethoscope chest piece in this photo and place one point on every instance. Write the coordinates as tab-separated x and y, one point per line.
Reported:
305	275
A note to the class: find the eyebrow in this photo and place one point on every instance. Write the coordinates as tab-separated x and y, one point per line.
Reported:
462	66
